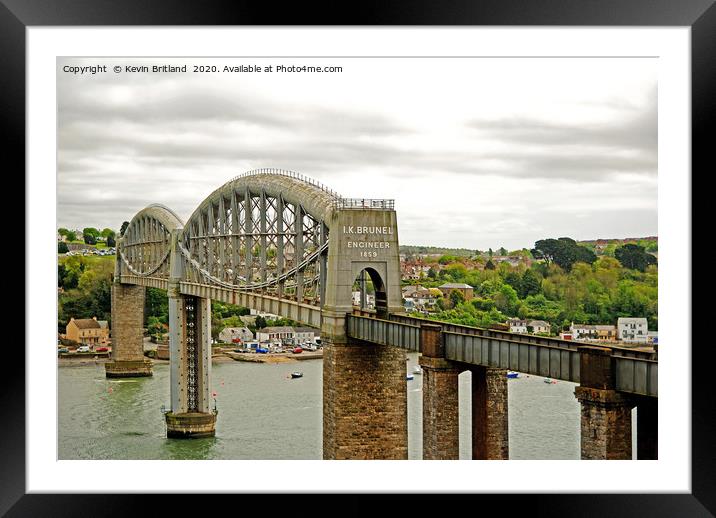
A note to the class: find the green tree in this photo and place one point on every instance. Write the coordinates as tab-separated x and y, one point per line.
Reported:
90	239
106	232
71	236
513	279
216	327
111	242
123	228
156	305
62	247
456	297
503	251
260	322
634	257
530	284
564	252
91	231
489	265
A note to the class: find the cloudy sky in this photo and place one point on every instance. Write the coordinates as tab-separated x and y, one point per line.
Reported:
477	153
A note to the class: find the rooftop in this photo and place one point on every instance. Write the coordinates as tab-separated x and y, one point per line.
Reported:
86	323
461	285
276	329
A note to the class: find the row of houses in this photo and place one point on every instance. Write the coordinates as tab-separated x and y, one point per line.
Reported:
422	298
271	334
628	330
517	325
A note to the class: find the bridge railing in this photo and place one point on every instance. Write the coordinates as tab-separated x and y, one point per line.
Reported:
636	375
363	203
290	174
539	360
384	332
523	338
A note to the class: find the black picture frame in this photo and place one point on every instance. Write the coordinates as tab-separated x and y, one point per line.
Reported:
699	15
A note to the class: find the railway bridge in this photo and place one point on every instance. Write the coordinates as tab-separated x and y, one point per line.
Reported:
283	243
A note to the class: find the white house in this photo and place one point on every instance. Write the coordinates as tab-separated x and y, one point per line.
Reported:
275	333
305	334
539	326
633	330
583	332
517	325
229	334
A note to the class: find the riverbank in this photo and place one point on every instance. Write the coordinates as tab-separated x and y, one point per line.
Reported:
273	357
69	361
72	360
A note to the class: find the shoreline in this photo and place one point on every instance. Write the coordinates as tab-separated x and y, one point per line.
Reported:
223	357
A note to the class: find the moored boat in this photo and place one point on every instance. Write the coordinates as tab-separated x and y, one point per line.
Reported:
296	375
417	370
512	374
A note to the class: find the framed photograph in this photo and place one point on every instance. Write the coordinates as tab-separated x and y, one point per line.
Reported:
477	189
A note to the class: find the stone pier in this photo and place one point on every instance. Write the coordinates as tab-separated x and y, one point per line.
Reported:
606	431
365	405
490	437
128	358
441	439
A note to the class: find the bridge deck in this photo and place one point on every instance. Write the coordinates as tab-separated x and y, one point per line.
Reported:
636	371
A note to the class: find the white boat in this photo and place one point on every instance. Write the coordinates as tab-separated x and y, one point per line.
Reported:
417	370
410	377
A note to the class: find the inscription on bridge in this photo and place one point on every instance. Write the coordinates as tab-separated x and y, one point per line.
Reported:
367	248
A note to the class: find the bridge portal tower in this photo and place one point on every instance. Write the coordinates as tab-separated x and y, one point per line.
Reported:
364	388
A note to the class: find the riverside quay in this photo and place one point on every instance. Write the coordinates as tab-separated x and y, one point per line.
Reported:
282	243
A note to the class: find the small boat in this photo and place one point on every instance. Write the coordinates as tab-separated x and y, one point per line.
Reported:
296	375
512	374
409	377
417	370
550	381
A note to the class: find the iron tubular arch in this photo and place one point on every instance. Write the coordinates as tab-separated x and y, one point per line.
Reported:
264	231
146	244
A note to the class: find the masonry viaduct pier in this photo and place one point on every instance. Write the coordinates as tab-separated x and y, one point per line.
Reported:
280	242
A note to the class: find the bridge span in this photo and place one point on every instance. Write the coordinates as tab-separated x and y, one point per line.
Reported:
283	243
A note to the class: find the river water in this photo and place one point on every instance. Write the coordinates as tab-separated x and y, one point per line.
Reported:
263	414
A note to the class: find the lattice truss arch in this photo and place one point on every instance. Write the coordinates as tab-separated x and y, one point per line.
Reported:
145	247
250	235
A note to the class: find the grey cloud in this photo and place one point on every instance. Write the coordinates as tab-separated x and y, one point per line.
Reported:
114	158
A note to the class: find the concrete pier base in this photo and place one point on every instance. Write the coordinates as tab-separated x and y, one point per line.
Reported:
128	368
190	425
